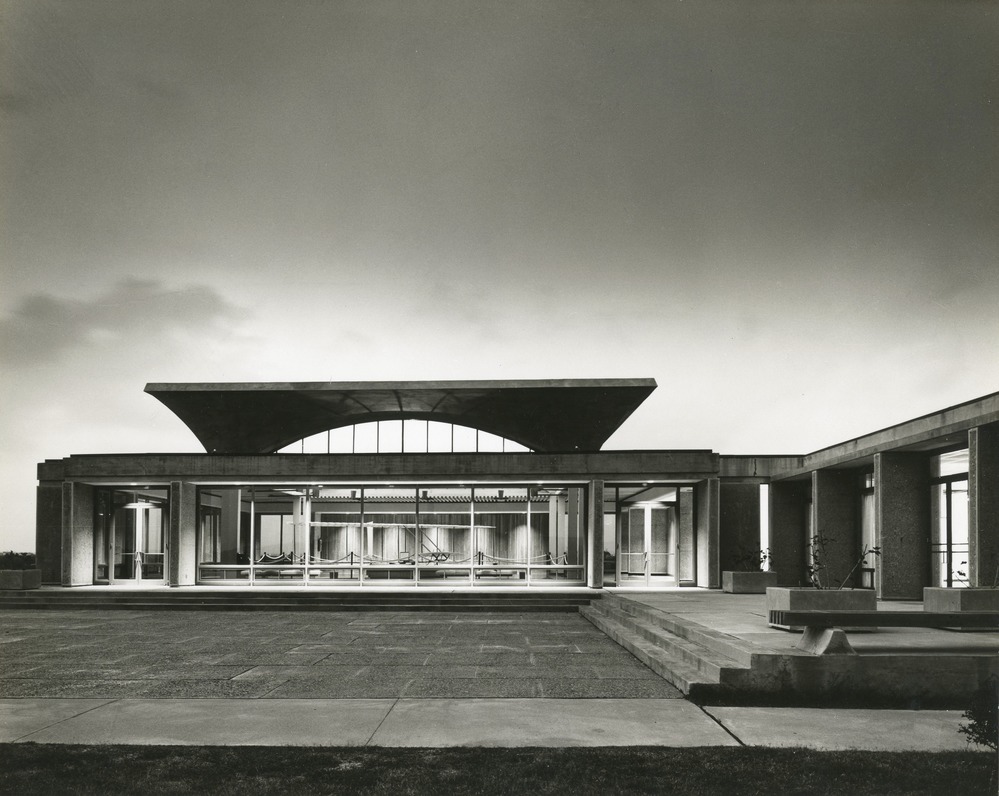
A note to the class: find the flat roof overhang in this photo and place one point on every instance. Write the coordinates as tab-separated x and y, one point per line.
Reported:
396	468
544	415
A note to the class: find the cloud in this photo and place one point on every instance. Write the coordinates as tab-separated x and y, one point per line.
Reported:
44	327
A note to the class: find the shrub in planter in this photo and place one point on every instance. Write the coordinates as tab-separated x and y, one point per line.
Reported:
963	598
17	571
822	596
749	577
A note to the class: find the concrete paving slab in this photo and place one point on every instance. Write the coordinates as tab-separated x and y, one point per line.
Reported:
837	729
547	722
21	717
225	722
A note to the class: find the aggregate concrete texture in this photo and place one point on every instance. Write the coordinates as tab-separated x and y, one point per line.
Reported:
744	618
315	655
412	679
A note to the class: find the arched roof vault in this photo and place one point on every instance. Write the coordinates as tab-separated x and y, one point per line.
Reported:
545	415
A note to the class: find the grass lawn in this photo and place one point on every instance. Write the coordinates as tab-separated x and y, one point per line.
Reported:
27	769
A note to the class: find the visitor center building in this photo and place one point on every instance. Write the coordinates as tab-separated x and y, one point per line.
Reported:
499	484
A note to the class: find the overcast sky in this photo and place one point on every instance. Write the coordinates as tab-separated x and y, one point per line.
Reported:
785	212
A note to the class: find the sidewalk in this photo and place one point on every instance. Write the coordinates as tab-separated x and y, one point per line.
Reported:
469	722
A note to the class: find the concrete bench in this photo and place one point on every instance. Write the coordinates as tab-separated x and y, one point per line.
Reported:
824	634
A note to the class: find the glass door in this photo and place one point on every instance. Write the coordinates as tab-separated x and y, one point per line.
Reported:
136	539
647	538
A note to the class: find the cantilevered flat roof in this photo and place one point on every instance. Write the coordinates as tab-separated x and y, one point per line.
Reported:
544	415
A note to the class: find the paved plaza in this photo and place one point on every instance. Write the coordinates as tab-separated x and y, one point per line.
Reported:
377	678
316	655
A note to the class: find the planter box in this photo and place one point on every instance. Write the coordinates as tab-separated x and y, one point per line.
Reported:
20	578
783	598
747	582
941	600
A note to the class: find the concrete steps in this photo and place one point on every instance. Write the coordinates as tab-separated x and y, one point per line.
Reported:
700	662
263	600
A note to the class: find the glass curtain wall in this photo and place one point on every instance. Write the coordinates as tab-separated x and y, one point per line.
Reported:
867	572
444	535
387	535
389	541
949	552
335	537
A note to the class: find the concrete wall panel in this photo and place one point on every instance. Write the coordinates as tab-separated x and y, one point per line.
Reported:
706	497
595	534
48	531
686	559
789	531
835	513
182	541
78	534
902	525
738	523
983	504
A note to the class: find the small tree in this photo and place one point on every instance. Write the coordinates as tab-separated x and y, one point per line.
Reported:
818	566
983	715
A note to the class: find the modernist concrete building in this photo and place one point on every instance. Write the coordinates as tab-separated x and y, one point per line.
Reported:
492	484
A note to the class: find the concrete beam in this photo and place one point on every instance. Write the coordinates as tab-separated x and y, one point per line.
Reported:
947	427
675	466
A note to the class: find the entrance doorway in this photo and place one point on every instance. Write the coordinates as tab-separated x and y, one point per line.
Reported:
131	531
647	538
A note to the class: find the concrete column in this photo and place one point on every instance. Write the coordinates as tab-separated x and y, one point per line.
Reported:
789	531
835	510
983	504
595	535
229	530
77	534
708	570
738	522
574	528
901	525
182	542
685	559
48	531
553	512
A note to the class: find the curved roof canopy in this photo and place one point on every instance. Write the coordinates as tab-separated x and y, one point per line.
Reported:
545	415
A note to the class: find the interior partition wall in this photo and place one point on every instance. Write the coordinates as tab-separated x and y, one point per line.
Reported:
389	535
